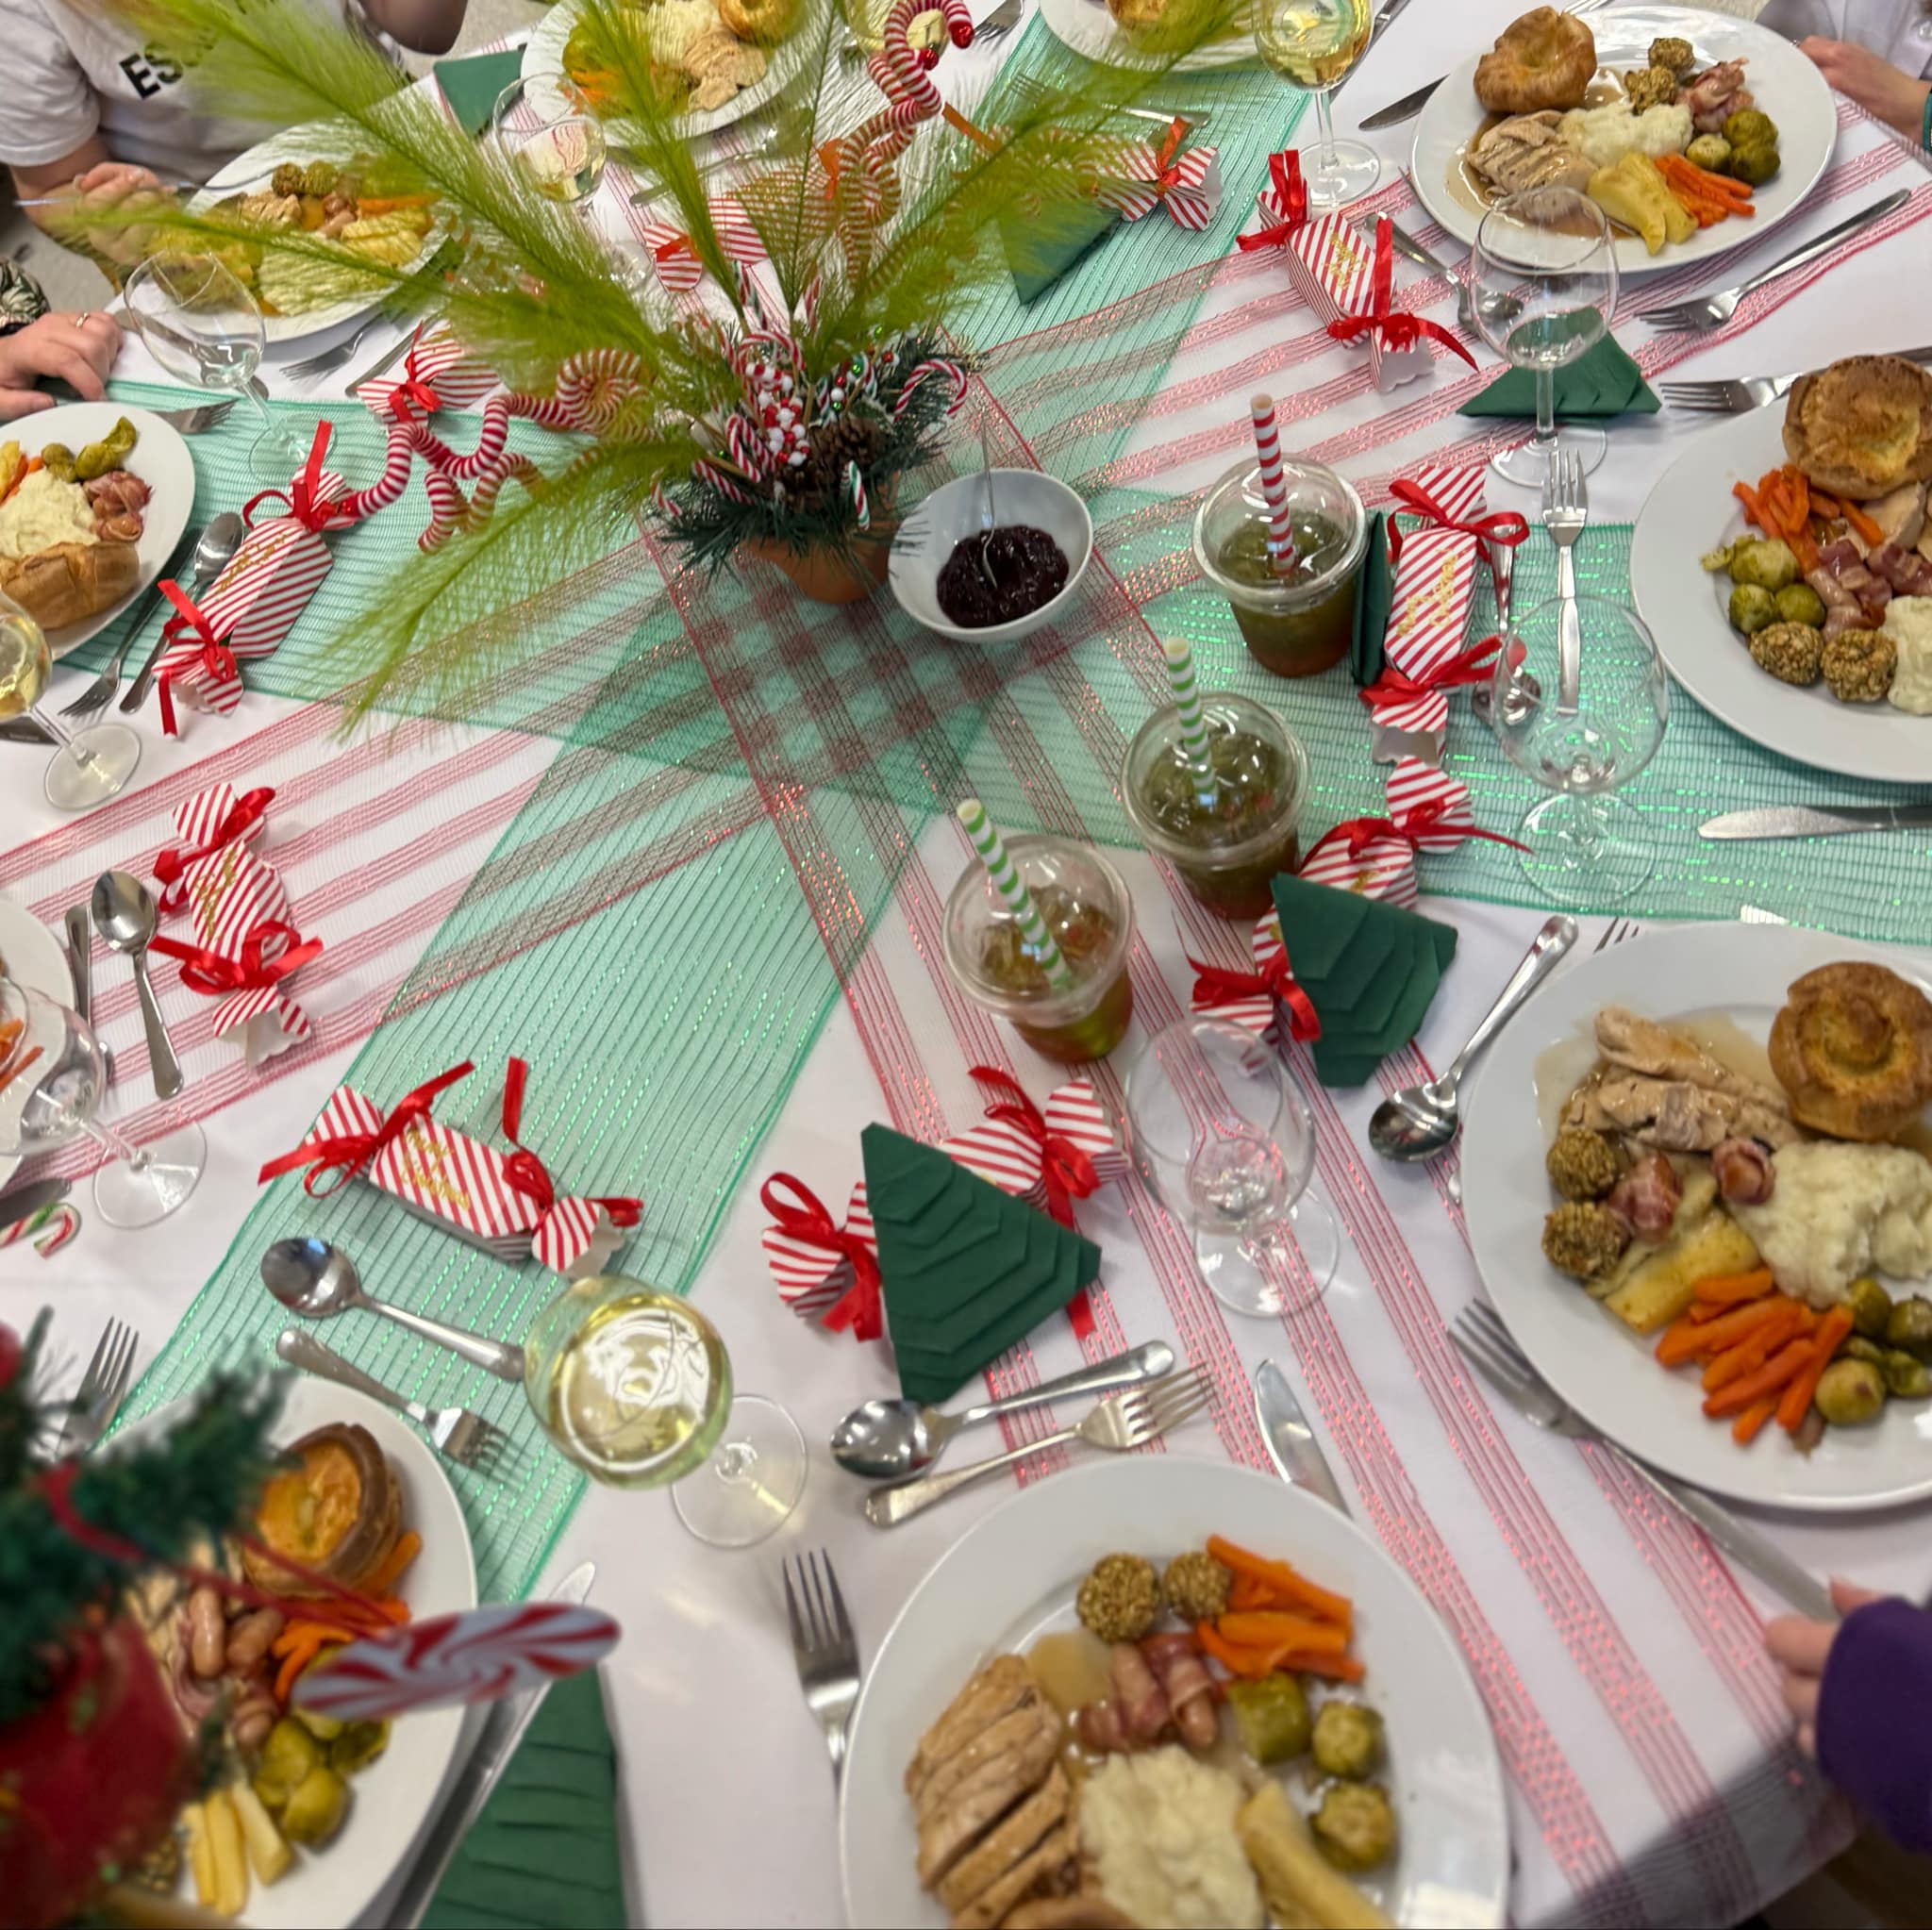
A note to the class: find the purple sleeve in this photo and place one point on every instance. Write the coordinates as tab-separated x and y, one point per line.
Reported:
1874	1718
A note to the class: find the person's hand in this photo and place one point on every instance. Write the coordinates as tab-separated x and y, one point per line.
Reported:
1800	1648
110	185
1879	87
79	349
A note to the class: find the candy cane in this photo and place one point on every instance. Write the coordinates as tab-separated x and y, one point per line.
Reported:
448	511
952	371
856	484
483	498
714	477
393	480
50	1227
595	384
746	447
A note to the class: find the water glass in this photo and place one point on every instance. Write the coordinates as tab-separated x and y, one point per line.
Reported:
1586	846
1544	286
1220	1129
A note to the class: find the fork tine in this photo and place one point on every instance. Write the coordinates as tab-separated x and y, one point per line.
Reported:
842	1623
1170	1418
827	1621
799	1644
1177	1387
90	1379
1482	1314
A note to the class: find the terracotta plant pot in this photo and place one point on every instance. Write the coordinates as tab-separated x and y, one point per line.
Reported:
830	575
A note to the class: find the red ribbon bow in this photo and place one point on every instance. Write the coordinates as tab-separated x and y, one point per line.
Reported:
412	392
1291	196
303	499
1397	331
215	977
1220	985
213	657
529	1175
245	814
351	1152
1506	526
1411	828
804	1217
1065	1169
1476	665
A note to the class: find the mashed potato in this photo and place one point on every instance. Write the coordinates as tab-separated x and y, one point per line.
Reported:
1909	624
43	511
1838	1211
1604	135
1160	1829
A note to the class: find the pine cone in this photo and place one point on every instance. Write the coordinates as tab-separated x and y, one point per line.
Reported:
849	437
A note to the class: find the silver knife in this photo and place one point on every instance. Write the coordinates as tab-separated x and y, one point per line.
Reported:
25	1199
80	959
1292	1444
22	730
1817	821
1413	104
496	1742
383	363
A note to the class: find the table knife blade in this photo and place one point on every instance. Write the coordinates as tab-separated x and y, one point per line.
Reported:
1816	820
1290	1442
26	1200
496	1742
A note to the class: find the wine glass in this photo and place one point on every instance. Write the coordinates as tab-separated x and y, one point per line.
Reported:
92	764
517	99
1586	846
56	1053
634	1386
1314	43
1544	283
1226	1138
563	159
204	327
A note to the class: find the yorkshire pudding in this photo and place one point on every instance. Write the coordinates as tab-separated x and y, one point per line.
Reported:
1861	427
1853	1048
338	1511
1544	60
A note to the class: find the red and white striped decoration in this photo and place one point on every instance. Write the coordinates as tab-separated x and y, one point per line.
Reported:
439	363
1435	581
1254	1011
811	1278
227	895
674	260
1274	484
1428	810
1333	266
479	1654
1136	177
267	1020
1075	1111
199	821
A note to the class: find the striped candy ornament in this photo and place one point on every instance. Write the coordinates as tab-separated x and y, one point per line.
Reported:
208	821
1135	178
477	1655
1435	565
437	373
674	260
1256	1009
1428	810
813	1270
49	1227
227	895
267	1019
1333	269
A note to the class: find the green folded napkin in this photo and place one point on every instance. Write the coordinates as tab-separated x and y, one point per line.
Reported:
544	1854
1044	246
472	85
1370	969
1603	382
964	1269
1373	605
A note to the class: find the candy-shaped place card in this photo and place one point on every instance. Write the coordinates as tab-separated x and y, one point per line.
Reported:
207	823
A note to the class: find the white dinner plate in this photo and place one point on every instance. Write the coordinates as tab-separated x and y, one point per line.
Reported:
1089	28
1783	82
1013	1578
32	956
160	459
1604	1371
1689	510
390	1801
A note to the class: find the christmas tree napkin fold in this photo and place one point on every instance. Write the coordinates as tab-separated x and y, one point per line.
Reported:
1603	382
1373	603
1046	244
472	85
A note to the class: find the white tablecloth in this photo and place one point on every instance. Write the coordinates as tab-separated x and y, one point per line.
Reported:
1651	1775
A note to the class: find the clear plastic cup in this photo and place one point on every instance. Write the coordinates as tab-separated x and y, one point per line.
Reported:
1083	901
1228	831
1298	626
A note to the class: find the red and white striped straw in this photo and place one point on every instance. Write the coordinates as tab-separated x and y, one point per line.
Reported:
1274	484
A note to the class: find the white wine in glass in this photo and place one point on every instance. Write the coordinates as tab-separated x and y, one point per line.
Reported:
92	764
1315	44
563	160
634	1385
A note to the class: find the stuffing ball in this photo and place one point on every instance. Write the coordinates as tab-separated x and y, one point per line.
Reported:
1120	1599
1673	54
1197	1587
1653	87
1582	1165
1859	665
1791	652
1585	1241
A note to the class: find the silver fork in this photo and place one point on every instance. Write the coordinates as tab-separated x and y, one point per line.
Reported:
1129	1420
100	693
823	1648
102	1389
192	421
1566	510
1743	393
335	355
1616	932
1706	312
455	1433
1489	1346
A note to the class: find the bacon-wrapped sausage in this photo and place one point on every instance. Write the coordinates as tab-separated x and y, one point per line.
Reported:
1138	1697
1647	1196
1189	1691
1743	1171
116	490
118	528
1099	1727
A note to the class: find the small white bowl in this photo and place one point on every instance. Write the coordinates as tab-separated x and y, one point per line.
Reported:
950	513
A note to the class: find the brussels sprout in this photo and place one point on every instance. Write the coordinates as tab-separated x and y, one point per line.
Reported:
1718	559
1751	609
1871	1307
1347	1739
1272	1717
1859	1348
358	1746
1909	1326
1905	1378
1355	1825
1769	565
1709	152
1850	1393
323	1728
1750	124
1798	602
315	1808
113	449
56	458
1754	163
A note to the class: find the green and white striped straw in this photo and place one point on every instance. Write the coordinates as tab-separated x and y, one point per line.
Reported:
1187	698
1008	882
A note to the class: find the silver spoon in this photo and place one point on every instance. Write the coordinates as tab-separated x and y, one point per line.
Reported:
989	522
123	914
217	545
317	1280
1421	1121
885	1438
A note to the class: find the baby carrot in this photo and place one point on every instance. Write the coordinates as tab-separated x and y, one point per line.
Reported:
1731	1288
1795	1403
1291	1589
1752	1351
1747	1426
1790	1360
1266	1628
1713	1337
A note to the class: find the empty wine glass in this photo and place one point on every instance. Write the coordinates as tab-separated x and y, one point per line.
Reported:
204	327
517	109
563	159
93	762
1543	285
1586	846
1226	1138
53	1058
1314	44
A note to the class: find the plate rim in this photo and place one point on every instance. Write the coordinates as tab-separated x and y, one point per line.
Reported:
61	988
1125	1473
1485	1195
1449	215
